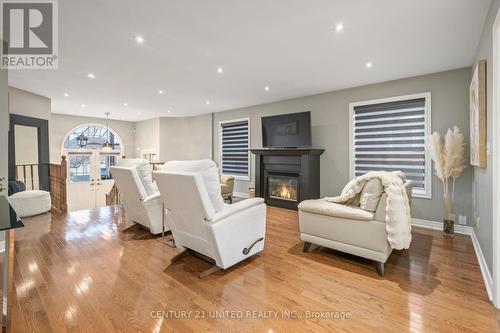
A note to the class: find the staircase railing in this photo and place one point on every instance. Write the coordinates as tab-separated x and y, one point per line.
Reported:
58	185
28	174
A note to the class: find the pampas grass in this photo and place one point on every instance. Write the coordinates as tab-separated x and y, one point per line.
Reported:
448	157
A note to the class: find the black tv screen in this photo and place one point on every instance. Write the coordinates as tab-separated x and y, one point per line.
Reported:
287	131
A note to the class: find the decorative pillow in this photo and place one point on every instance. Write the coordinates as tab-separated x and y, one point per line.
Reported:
208	171
354	201
370	195
16	186
144	171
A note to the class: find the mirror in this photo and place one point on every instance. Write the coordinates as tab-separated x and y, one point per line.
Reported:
26	152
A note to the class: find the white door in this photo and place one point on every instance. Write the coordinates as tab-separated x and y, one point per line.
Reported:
89	178
104	181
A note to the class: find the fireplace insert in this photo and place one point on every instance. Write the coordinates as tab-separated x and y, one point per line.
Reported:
283	188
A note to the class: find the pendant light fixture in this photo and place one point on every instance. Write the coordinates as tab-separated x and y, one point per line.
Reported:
107	145
81	141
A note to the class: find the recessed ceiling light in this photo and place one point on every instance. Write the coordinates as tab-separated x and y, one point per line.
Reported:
266	88
160	92
139	39
125	104
220	70
369	65
339	27
138	113
168	111
207	102
84	106
66	94
91	75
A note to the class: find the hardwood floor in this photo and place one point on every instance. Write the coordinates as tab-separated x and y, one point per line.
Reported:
80	273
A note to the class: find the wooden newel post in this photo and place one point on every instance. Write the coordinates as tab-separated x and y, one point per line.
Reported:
64	184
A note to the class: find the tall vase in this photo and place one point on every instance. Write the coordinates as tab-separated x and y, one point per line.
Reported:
448	223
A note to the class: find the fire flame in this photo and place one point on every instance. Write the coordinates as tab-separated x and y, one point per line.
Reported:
285	192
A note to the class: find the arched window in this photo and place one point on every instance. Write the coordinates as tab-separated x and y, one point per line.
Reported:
91	137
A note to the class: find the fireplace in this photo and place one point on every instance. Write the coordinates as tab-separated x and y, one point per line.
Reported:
281	187
285	177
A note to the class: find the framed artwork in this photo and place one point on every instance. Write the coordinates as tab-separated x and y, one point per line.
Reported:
477	92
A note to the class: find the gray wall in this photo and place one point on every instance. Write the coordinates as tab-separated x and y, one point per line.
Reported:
330	126
147	136
186	138
483	178
29	104
4	128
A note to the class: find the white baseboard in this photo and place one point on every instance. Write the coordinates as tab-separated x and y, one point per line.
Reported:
241	195
465	230
488	280
459	229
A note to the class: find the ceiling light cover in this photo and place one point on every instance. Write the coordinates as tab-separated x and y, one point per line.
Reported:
91	75
339	27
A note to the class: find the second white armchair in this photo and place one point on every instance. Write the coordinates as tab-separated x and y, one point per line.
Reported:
140	195
201	222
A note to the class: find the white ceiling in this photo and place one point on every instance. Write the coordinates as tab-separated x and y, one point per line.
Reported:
289	45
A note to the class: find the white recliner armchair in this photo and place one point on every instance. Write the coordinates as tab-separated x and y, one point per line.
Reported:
200	220
140	195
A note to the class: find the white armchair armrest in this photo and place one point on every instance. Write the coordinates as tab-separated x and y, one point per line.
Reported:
235	208
238	232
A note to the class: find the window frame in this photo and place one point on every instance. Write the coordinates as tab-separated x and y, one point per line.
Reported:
427	130
222	122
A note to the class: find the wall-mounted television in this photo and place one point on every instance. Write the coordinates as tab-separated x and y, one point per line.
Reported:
291	130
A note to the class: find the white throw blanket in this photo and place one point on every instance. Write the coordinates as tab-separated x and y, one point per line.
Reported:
398	219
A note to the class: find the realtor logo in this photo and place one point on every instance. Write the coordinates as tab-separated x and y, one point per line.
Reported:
29	34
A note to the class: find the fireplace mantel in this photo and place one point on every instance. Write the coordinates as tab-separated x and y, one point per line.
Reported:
301	163
287	151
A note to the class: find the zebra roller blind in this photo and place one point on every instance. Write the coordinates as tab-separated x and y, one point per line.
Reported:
234	138
392	136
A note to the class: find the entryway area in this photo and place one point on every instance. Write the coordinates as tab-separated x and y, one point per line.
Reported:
91	150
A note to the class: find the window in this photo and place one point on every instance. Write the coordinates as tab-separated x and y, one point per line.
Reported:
391	134
79	168
91	137
234	136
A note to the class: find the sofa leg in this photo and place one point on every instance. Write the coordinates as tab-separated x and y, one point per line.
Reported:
380	268
306	247
230	199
